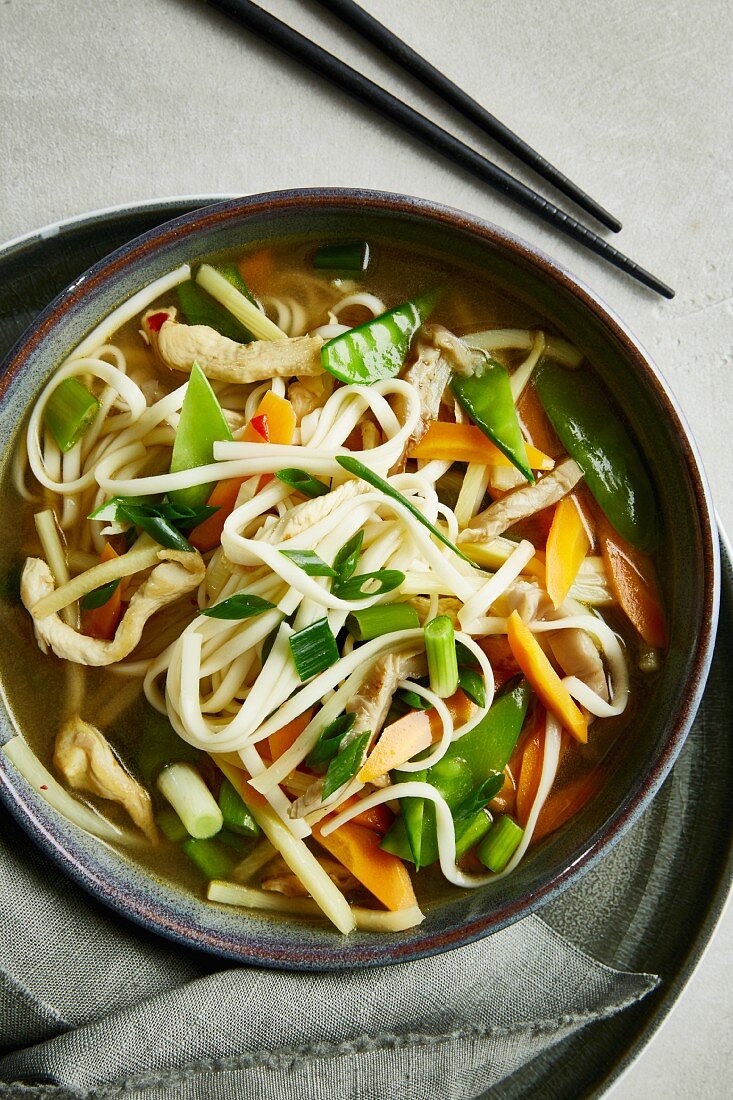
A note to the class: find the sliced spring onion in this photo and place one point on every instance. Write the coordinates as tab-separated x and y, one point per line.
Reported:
330	739
199	308
345	764
155	525
98	597
238	304
210	857
309	562
239	606
473	685
182	786
356	588
347	558
234	811
201	425
314	649
302	482
358	469
440	648
349	256
383	618
69	412
171	825
378	348
500	844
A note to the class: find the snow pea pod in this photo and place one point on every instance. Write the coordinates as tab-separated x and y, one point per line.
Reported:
596	437
378	348
487	398
201	425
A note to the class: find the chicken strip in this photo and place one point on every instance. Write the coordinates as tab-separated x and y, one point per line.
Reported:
179	572
522	504
179	346
85	759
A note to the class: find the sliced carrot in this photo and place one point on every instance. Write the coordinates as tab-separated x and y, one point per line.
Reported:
536	424
529	775
503	802
280	427
102	622
567	546
257	268
501	658
398	743
542	676
379	818
460	708
450	442
283	739
383	874
565	803
633	582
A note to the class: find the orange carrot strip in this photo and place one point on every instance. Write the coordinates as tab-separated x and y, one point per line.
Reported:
280	427
383	874
102	622
460	708
542	676
257	268
398	743
379	818
283	739
565	803
529	775
633	583
501	658
567	546
536	424
447	442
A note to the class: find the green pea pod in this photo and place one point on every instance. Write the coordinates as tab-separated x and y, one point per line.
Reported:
596	437
378	348
201	425
467	764
487	398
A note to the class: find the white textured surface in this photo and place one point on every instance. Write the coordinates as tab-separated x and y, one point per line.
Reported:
104	103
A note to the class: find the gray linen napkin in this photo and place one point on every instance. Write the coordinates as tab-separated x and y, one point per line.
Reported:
92	1006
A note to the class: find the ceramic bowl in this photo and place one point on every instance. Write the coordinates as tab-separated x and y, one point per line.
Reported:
651	743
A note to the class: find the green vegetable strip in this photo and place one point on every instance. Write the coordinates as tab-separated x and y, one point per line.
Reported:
378	348
384	618
487	398
440	647
201	425
595	436
235	813
356	588
309	562
98	597
199	308
351	257
232	275
238	303
330	739
473	686
500	844
303	482
182	786
171	825
314	649
239	606
347	558
211	859
69	412
345	764
358	469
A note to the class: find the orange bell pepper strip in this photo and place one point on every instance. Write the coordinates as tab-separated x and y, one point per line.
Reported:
280	420
398	743
634	584
383	874
450	442
283	739
102	622
542	676
567	546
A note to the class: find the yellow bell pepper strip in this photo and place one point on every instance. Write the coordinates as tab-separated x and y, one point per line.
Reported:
535	665
449	442
634	584
487	398
567	546
384	875
201	425
398	743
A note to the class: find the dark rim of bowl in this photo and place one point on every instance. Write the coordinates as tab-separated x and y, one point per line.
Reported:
162	918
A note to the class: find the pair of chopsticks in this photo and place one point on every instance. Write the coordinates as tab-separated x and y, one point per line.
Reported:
300	48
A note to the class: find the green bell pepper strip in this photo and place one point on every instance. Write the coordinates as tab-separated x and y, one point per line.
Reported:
468	763
199	308
487	398
378	348
596	437
201	425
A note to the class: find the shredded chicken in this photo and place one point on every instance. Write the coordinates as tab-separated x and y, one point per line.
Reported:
178	573
447	605
461	358
179	346
282	881
308	394
86	761
303	516
522	504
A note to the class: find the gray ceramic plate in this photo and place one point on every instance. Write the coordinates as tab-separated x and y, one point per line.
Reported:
668	877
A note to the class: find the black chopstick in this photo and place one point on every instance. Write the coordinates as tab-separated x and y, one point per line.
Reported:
376	33
297	46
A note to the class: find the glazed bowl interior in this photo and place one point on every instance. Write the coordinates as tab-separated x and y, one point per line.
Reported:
649	744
